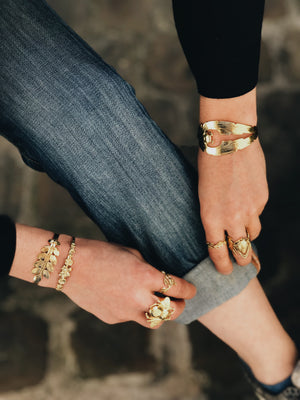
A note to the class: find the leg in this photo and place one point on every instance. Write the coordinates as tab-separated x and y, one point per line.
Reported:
248	324
70	112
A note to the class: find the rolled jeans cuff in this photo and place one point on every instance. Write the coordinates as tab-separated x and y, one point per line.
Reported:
213	288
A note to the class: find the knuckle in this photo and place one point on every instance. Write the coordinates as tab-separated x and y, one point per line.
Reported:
235	218
209	219
137	298
149	275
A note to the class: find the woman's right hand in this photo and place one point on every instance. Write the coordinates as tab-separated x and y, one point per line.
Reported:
112	282
117	285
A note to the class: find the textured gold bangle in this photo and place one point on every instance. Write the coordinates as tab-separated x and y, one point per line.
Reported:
46	260
67	267
225	128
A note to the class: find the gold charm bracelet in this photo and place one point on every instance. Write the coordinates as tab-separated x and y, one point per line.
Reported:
225	128
46	261
67	267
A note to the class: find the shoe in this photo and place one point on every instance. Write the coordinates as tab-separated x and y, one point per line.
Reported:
290	393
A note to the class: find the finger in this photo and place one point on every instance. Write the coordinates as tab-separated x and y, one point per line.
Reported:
254	227
220	254
174	286
243	257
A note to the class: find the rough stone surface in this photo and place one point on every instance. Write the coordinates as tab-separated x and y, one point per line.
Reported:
166	67
265	66
291	56
275	9
102	349
23	350
220	365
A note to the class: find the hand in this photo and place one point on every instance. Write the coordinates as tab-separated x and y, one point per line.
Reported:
233	188
110	281
116	284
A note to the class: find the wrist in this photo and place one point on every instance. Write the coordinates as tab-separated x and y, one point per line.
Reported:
29	242
242	109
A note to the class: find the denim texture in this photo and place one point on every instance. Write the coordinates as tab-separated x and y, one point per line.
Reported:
72	116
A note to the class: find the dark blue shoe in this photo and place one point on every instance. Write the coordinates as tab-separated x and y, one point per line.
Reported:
290	393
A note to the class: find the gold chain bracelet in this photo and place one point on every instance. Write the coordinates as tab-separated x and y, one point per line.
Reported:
67	267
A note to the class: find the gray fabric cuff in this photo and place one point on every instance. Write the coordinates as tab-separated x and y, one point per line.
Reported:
213	288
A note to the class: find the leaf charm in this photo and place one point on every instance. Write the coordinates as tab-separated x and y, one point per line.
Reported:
46	261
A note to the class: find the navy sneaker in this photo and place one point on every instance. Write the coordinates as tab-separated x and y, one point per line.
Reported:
290	393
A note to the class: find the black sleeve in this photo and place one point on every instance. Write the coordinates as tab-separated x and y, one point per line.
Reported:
221	41
7	244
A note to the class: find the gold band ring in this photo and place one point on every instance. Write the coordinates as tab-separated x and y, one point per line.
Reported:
159	312
216	245
240	246
168	282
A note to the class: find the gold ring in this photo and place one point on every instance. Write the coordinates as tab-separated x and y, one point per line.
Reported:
216	245
159	312
168	282
240	246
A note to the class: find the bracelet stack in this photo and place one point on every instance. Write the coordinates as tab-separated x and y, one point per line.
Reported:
47	260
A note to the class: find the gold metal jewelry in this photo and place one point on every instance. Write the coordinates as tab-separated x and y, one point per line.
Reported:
216	245
159	312
255	261
67	267
225	128
168	282
46	260
240	246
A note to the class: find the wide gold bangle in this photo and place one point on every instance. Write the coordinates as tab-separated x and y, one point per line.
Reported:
67	267
225	128
46	260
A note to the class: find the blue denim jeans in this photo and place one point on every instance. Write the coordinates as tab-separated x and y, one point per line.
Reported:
72	116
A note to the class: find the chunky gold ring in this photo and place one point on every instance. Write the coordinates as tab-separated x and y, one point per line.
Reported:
159	312
240	246
216	245
168	282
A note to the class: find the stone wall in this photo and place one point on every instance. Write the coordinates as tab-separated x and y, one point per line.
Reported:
51	350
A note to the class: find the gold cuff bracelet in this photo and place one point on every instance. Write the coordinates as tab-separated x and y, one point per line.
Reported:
67	267
46	260
225	128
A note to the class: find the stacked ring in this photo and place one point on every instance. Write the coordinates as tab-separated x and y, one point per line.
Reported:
217	245
168	282
240	246
159	312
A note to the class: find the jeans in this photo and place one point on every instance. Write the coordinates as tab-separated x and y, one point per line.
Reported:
72	116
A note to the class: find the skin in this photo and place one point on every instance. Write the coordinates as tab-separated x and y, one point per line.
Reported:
110	281
233	189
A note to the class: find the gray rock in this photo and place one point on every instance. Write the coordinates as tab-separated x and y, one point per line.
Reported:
275	9
103	349
166	65
291	57
265	64
23	350
219	363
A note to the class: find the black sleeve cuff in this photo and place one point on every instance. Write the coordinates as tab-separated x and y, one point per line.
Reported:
221	41
7	244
